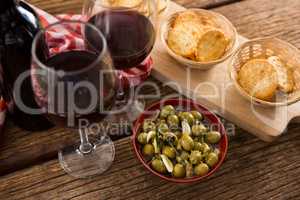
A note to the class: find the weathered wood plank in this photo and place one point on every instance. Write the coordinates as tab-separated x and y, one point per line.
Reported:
252	170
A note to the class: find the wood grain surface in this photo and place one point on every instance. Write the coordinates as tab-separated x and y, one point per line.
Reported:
253	169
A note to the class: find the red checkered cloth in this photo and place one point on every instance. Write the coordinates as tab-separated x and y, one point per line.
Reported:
131	77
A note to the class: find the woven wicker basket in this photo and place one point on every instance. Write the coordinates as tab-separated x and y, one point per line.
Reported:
264	48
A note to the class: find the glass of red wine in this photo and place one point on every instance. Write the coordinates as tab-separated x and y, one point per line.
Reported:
74	81
130	34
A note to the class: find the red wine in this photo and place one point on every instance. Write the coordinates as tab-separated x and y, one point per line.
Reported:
18	26
130	36
78	66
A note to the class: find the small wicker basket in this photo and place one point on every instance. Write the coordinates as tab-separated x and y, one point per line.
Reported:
221	22
264	48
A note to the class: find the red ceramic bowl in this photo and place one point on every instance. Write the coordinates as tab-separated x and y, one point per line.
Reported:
185	104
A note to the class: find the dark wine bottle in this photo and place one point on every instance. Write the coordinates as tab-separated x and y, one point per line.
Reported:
18	26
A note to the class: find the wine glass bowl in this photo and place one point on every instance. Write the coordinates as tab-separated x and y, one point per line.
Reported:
74	82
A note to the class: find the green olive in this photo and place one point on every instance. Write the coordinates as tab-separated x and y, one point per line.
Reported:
184	155
198	130
169	152
163	127
148	150
205	148
149	125
213	137
173	120
142	138
186	116
158	166
212	159
166	111
179	171
179	159
201	169
187	142
197	146
195	157
197	115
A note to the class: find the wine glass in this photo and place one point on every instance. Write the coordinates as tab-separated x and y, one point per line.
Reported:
129	29
74	81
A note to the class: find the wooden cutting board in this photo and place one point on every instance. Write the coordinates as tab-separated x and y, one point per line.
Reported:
214	89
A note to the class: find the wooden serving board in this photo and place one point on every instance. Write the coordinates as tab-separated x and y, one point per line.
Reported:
214	89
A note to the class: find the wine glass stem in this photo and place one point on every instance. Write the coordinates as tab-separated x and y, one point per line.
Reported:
120	93
85	146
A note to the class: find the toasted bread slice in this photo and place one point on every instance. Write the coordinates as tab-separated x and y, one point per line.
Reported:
211	46
127	3
183	39
161	5
284	74
258	78
192	16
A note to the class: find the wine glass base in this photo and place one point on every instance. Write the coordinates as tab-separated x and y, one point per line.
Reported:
86	165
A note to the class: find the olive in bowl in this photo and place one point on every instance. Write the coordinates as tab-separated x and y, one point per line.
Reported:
179	141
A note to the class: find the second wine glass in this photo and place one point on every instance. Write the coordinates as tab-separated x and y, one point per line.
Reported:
130	36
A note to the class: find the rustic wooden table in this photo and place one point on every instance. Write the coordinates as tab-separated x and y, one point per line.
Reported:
253	169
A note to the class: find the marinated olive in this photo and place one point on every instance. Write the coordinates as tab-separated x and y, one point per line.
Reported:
158	166
173	120
148	125
198	129
148	150
201	169
212	159
205	148
213	137
184	155
187	142
169	151
197	146
179	159
195	157
197	115
186	116
167	110
179	171
163	127
142	138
